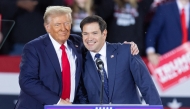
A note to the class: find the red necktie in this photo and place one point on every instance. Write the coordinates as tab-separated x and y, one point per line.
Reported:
66	79
184	27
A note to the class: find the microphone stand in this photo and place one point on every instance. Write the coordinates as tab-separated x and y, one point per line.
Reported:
102	85
100	66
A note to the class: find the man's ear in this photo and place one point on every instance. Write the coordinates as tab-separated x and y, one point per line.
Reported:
105	33
47	27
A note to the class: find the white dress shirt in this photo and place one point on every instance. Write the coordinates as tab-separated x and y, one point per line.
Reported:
186	8
180	7
102	57
72	60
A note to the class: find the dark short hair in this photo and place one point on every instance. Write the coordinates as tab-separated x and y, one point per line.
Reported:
92	19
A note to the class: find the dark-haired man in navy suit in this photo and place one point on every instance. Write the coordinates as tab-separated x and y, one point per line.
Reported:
123	72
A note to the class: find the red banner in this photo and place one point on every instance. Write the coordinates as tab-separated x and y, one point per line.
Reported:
173	67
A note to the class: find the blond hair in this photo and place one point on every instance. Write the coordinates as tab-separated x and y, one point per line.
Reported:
55	11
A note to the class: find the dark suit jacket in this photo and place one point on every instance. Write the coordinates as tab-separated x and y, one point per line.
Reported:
125	72
165	31
40	76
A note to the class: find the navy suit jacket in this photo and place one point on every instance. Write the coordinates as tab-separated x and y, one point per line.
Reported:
125	73
165	31
40	74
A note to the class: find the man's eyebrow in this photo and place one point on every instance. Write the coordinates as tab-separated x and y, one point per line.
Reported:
84	32
90	32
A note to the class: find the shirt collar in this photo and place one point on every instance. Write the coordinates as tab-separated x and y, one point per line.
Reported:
56	44
180	6
102	51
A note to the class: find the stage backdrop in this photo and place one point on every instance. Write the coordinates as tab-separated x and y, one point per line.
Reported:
175	97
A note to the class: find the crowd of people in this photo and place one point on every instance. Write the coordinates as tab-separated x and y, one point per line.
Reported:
126	19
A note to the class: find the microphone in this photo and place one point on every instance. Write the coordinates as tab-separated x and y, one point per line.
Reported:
100	65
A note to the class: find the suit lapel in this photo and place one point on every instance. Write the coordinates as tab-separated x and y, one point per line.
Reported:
55	62
176	12
111	64
78	61
52	55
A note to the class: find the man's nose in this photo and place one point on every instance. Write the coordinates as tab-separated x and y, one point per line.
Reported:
90	37
63	28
